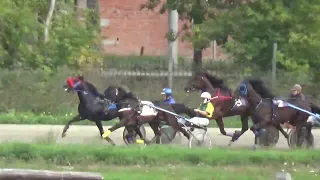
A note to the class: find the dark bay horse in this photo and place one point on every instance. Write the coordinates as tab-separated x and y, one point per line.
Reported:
261	102
226	105
130	106
91	105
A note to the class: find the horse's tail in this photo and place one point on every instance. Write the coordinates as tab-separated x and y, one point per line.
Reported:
315	109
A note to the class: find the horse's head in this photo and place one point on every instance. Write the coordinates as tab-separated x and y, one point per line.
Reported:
196	83
253	89
114	93
73	84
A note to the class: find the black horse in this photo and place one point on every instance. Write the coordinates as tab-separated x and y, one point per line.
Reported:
92	105
130	106
261	102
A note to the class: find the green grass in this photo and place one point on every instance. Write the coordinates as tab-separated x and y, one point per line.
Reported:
152	155
29	118
161	162
181	171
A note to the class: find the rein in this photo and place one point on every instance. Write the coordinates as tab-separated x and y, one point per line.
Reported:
221	97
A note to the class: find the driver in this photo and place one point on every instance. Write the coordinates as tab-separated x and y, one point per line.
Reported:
205	110
296	93
168	96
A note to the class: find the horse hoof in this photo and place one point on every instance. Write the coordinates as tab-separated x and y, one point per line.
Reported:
63	135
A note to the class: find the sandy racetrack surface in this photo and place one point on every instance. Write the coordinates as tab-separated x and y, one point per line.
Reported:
90	135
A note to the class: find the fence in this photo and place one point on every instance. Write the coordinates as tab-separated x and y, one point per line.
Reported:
37	92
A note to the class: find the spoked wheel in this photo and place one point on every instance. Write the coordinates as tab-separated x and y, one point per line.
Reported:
136	136
168	135
200	139
293	140
268	137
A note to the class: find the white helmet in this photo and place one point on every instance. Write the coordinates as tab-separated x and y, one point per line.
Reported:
205	95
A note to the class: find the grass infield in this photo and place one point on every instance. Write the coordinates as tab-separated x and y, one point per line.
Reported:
152	155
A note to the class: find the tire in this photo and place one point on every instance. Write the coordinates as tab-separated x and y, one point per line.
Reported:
200	138
167	134
293	139
125	132
271	138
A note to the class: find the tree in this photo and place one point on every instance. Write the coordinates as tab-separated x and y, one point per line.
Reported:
23	44
254	27
196	11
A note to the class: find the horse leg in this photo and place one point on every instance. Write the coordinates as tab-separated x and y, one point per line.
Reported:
245	127
157	133
172	121
123	121
73	120
299	130
100	127
284	133
137	129
130	135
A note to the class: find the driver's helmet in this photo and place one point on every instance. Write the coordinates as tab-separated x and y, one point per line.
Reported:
206	96
167	91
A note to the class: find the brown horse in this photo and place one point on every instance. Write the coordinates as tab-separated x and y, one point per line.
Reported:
261	103
225	104
130	107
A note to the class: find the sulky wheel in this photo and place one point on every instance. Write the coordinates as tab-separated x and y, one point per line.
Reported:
268	137
200	139
168	134
293	139
136	136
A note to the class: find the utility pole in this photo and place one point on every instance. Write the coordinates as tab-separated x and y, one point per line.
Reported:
173	45
274	65
81	6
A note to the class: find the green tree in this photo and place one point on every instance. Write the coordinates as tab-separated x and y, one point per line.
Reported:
254	27
196	11
22	42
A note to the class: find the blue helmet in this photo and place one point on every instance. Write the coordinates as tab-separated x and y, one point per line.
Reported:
166	91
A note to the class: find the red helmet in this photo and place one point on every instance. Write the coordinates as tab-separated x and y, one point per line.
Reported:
72	80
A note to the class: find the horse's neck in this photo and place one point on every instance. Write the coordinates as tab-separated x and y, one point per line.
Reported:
81	98
208	85
255	99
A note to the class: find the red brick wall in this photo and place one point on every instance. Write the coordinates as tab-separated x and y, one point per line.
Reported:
136	28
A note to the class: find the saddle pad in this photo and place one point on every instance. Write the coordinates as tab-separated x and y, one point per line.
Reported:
147	110
280	103
112	107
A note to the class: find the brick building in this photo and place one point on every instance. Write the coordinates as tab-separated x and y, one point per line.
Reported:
126	30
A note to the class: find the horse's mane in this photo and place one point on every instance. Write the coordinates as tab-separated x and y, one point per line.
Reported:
90	86
129	95
259	86
216	82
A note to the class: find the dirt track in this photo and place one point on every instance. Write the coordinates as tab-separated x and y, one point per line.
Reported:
90	135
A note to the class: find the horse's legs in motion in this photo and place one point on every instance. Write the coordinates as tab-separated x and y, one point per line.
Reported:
100	127
123	122
73	120
284	133
172	121
157	133
220	124
245	127
137	130
130	134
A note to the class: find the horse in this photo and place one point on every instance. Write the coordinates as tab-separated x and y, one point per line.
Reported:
261	103
136	114
91	105
226	105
